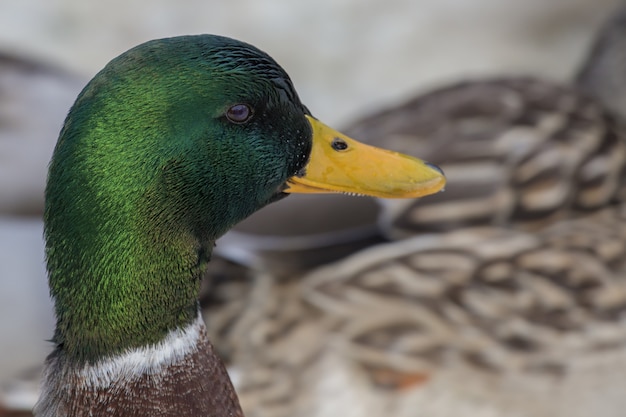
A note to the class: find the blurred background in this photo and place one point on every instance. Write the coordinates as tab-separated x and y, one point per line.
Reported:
347	59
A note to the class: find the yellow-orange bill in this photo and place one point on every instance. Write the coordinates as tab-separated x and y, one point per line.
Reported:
341	164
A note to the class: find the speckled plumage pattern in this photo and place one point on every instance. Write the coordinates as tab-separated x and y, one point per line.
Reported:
488	321
517	151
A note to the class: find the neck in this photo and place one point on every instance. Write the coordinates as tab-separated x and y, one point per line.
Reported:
152	359
122	289
181	375
124	258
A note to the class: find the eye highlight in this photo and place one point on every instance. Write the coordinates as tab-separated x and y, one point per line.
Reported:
239	113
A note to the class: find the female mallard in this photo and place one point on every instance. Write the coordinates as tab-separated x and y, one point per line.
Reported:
171	144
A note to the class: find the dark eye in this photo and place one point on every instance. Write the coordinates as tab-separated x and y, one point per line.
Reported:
239	113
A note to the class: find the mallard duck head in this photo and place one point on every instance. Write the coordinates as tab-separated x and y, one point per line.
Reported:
197	120
169	146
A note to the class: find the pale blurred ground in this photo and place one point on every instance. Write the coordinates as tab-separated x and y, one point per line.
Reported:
345	57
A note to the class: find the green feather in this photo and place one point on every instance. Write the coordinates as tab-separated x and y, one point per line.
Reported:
148	173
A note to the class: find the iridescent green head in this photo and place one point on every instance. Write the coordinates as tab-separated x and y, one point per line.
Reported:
164	150
170	145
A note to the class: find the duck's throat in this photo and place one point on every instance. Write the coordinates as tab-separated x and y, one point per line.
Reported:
181	375
120	279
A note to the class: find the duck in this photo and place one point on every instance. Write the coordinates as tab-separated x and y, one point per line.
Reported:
484	319
502	296
163	151
478	321
519	151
